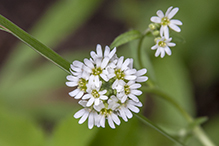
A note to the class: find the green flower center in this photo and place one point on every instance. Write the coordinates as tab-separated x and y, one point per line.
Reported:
162	44
105	111
82	84
119	74
165	21
95	94
127	89
96	71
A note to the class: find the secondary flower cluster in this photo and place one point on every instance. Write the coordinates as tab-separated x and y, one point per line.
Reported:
106	86
161	25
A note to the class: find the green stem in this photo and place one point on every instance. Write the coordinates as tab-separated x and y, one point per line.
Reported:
198	131
149	123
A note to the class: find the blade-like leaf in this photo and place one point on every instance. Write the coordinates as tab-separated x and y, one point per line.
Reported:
125	38
35	44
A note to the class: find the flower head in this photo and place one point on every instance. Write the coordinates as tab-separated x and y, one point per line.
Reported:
166	21
108	86
162	46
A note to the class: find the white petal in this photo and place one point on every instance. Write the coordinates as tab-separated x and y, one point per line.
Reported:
78	96
97	101
123	98
93	55
86	96
174	27
112	53
104	77
135	86
168	10
136	92
166	32
79	113
141	79
176	22
167	50
88	63
115	118
91	120
130	71
155	19
75	92
84	117
71	78
154	47
104	97
173	12
104	62
162	54
119	63
171	44
160	14
90	102
106	51
77	63
125	64
128	113
133	97
102	121
71	84
141	72
110	121
99	50
157	53
122	114
130	77
133	108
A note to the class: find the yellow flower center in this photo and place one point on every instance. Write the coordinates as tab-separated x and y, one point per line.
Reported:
127	89
162	44
165	21
96	71
119	74
95	94
82	84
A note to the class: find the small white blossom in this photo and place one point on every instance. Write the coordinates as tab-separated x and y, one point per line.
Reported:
85	113
162	46
166	20
108	86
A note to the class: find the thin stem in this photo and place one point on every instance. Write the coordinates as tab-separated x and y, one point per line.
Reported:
198	131
149	123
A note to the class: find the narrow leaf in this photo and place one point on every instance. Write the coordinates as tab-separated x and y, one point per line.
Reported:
152	125
125	38
34	44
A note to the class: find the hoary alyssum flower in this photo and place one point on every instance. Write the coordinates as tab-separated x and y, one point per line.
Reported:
107	87
162	46
166	21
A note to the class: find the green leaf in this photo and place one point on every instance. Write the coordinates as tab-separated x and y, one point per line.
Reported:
68	133
126	134
18	130
125	38
35	44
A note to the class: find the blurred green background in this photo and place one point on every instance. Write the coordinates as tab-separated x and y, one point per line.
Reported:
35	109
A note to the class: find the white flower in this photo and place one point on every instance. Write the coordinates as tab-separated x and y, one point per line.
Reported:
107	113
108	87
166	20
87	113
129	90
126	108
78	78
140	77
94	95
162	46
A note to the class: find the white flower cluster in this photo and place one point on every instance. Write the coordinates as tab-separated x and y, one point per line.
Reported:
164	22
106	86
